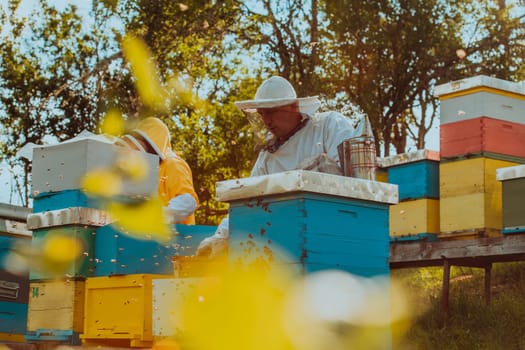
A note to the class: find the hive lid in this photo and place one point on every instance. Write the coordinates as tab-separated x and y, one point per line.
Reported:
306	181
479	81
68	216
509	173
404	158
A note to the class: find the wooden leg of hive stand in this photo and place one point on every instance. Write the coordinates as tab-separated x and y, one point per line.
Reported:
446	286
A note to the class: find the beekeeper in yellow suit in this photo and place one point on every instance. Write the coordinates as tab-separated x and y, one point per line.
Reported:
175	187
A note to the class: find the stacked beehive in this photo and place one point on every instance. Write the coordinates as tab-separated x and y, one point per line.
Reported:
14	285
57	309
416	216
124	302
321	221
482	129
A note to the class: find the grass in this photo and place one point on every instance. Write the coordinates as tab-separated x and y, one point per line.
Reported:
470	322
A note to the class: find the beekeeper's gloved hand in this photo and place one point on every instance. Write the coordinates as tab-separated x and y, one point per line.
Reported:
180	207
217	244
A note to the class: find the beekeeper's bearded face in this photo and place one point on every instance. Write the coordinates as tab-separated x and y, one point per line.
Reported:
280	121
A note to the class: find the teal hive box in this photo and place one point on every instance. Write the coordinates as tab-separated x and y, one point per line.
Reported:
415	173
189	237
63	199
317	221
14	290
117	253
82	267
13	317
76	222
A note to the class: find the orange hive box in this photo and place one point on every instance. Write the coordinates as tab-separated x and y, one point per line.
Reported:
481	136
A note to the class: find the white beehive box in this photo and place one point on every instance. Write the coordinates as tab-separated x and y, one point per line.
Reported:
169	296
63	166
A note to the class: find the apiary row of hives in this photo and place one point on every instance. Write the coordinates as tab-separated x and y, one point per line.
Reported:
115	293
456	193
103	296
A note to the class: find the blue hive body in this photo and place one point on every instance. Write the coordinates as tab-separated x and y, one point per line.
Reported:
316	231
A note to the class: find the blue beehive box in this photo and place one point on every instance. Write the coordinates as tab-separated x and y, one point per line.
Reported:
318	221
79	223
188	237
117	253
63	199
14	292
415	173
13	317
82	267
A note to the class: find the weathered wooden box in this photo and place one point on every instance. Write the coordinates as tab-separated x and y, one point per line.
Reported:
63	166
14	287
470	200
415	173
317	221
469	176
480	96
119	311
82	267
169	296
513	195
483	136
56	305
414	220
117	253
13	316
76	222
476	214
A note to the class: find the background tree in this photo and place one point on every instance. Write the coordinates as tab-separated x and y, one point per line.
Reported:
46	79
286	36
496	45
385	56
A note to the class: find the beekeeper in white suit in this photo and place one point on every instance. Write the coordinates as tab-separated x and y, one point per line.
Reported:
297	138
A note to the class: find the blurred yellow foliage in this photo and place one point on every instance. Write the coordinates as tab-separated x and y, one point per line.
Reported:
132	165
61	248
145	220
241	309
113	123
144	70
102	182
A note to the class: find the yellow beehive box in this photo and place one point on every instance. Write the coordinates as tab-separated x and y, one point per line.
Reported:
382	174
119	310
476	213
11	337
56	304
469	176
418	217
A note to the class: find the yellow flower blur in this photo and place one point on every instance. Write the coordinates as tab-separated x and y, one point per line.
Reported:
102	182
144	70
132	165
143	220
59	248
113	123
240	309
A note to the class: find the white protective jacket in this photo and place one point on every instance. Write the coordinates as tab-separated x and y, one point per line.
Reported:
321	135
